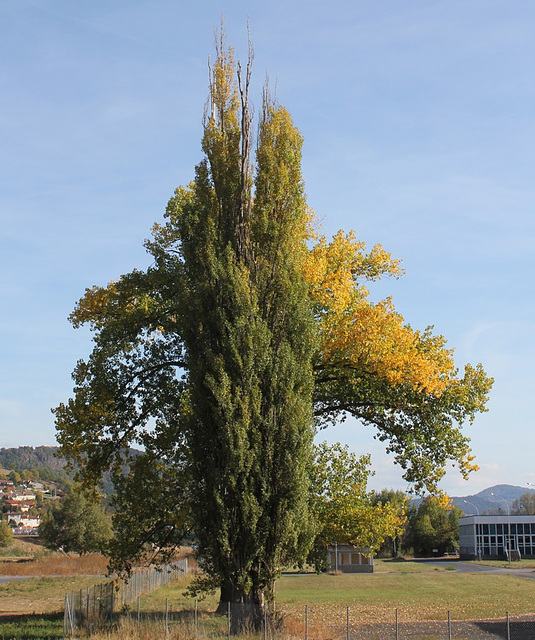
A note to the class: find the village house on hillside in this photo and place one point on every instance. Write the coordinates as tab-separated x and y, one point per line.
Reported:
20	506
23	524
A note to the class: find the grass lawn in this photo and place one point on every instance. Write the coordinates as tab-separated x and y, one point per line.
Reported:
33	608
417	596
519	564
418	591
40	595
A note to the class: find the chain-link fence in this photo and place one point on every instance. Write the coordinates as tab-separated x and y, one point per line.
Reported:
94	607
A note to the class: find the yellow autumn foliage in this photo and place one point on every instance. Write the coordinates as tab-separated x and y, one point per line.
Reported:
372	336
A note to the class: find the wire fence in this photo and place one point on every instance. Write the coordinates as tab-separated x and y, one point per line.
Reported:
118	603
343	623
94	608
393	626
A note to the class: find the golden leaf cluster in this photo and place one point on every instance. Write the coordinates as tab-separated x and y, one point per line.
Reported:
371	336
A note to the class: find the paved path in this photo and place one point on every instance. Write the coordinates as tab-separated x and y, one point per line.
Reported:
473	567
4	579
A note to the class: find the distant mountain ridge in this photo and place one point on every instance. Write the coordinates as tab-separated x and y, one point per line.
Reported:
485	502
20	458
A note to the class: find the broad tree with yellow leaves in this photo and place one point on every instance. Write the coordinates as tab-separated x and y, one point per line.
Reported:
245	335
343	510
374	366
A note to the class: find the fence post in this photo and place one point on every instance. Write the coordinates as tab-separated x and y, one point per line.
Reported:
397	626
66	616
228	616
196	619
87	609
348	633
306	622
508	628
449	625
167	616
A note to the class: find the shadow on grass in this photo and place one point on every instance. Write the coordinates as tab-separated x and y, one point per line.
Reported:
46	626
518	629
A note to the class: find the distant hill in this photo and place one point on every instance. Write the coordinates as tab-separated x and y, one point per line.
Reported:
51	467
486	503
47	464
19	458
42	460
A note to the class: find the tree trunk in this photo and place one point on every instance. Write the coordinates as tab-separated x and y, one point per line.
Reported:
246	609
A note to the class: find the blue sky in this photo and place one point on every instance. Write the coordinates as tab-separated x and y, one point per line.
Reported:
418	120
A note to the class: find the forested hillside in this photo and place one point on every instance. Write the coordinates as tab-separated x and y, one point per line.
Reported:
36	463
43	463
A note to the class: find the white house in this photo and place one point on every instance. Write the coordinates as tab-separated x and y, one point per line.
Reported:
24	520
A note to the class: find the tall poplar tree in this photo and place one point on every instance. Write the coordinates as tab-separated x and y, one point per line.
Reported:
245	334
249	337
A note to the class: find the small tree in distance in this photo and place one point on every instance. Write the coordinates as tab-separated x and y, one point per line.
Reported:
398	502
343	510
433	527
78	524
525	505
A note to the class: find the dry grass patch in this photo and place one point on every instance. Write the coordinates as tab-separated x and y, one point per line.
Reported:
55	564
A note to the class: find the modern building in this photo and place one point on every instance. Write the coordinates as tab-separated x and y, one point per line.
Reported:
496	537
348	559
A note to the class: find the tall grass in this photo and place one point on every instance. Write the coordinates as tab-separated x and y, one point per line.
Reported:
128	629
45	563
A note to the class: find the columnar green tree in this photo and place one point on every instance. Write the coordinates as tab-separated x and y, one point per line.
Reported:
226	303
249	337
245	334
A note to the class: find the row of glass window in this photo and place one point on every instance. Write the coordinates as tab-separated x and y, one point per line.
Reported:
491	544
521	528
514	528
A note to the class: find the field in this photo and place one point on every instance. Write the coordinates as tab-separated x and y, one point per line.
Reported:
31	605
417	591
